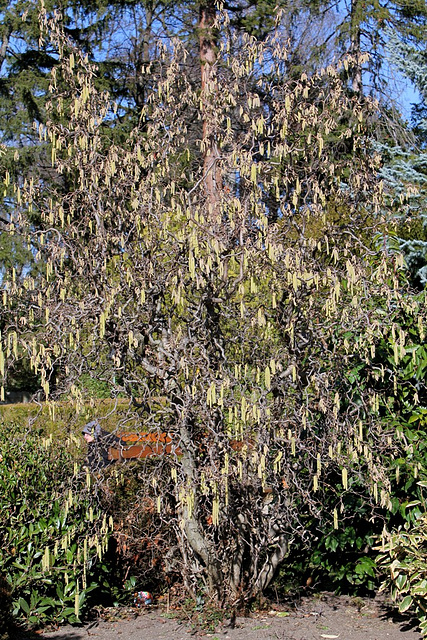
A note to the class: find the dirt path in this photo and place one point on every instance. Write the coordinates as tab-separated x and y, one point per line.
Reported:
325	618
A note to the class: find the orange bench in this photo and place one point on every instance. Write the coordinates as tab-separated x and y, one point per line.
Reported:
143	445
146	445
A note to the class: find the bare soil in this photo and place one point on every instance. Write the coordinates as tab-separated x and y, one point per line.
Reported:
325	617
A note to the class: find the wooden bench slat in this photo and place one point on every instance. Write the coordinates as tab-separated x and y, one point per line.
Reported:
147	445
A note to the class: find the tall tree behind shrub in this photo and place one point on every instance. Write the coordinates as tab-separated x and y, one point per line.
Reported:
405	168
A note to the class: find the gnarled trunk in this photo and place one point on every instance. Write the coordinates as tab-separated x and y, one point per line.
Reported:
201	547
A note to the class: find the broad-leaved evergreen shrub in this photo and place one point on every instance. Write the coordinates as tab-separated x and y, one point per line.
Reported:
403	559
53	534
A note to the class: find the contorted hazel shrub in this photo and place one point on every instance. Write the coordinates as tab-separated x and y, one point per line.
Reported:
219	270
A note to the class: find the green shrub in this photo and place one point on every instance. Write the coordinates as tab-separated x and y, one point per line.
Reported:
336	557
403	556
53	535
61	419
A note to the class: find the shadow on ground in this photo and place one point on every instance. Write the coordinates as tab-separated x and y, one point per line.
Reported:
405	621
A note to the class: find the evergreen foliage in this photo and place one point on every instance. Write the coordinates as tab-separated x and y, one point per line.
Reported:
404	170
53	535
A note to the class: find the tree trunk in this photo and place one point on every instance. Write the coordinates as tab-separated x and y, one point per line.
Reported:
271	565
142	60
196	540
4	45
209	91
355	48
